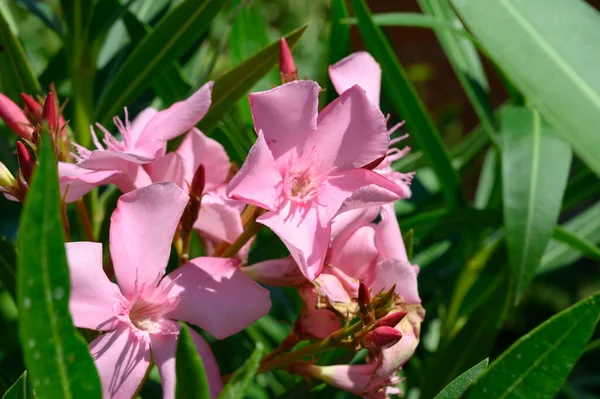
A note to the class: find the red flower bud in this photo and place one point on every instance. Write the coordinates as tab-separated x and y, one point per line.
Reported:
32	106
382	337
14	117
26	161
49	112
391	320
364	294
287	69
198	181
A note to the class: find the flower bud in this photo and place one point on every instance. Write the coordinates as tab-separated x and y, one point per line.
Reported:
31	105
391	319
382	337
26	161
287	69
7	180
198	181
49	112
364	295
14	117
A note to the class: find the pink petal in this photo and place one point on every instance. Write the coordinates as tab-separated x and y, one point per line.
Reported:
331	287
258	181
351	132
357	188
277	272
345	224
389	238
113	160
219	219
303	234
122	361
139	124
93	297
141	230
217	297
403	274
397	355
286	114
313	322
80	181
198	149
168	168
355	378
178	118
355	255
164	348
14	117
358	68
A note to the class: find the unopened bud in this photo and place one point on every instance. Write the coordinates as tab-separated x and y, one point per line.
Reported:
49	112
391	320
198	181
14	117
382	337
364	295
7	180
26	161
32	106
287	69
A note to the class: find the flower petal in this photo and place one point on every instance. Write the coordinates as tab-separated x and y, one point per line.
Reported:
258	180
313	322
351	132
116	160
403	274
164	348
355	255
122	361
303	234
389	237
80	181
358	68
178	118
198	149
168	168
141	230
93	297
286	114
138	125
345	224
216	296
278	272
219	219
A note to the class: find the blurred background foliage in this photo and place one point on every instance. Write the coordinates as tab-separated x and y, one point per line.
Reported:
462	250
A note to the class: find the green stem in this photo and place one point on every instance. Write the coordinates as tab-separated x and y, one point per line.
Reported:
250	231
84	218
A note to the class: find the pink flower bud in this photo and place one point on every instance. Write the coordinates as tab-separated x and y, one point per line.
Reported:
26	161
198	181
382	337
32	105
287	69
49	112
364	295
14	117
391	320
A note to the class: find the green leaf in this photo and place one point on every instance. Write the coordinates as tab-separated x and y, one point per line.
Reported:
234	84
409	106
548	49
57	357
535	168
237	386
339	41
538	364
16	74
169	40
456	388
191	376
443	221
465	61
578	243
412	19
19	389
8	274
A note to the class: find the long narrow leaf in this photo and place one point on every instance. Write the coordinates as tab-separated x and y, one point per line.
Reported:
339	41
238	384
18	390
191	375
456	388
409	106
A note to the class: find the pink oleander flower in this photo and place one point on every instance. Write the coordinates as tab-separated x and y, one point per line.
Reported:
307	167
361	69
138	316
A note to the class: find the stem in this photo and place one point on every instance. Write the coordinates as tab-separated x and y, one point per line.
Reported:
250	230
186	239
84	218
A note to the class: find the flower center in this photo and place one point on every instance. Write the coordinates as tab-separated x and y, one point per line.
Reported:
304	176
147	316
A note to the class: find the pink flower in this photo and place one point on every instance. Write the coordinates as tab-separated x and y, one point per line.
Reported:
15	118
138	315
307	167
361	69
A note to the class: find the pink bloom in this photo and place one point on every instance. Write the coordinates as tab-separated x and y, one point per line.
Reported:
138	315
361	69
307	167
14	118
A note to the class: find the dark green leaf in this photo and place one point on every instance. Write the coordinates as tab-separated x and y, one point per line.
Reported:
585	247
412	19
442	221
238	384
18	390
191	376
234	84
8	274
537	365
57	357
409	106
170	39
456	388
339	41
535	168
556	71
43	11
